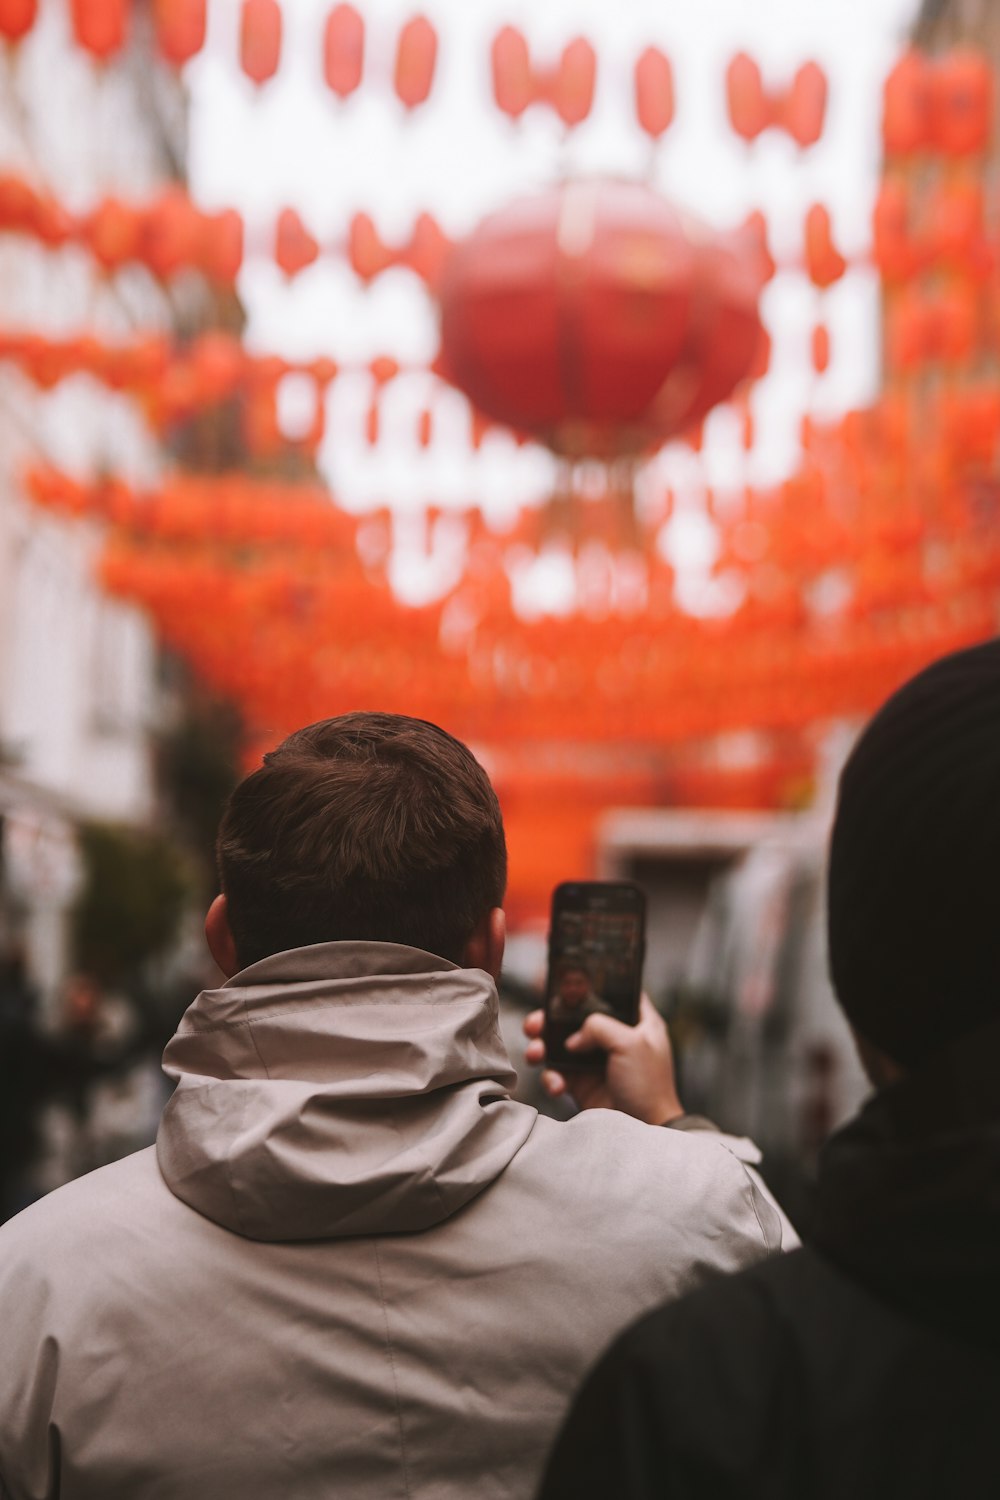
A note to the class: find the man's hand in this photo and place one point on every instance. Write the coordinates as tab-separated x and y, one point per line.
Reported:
639	1077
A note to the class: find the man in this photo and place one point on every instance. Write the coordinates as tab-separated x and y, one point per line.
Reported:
353	1265
573	998
867	1365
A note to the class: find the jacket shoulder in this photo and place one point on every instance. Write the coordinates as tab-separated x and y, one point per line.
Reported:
86	1212
690	1178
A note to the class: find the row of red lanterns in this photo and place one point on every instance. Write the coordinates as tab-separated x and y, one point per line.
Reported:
175	383
101	27
943	104
170	235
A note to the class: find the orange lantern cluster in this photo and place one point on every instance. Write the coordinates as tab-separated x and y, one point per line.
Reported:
176	383
173	384
168	235
882	552
230	510
940	104
800	109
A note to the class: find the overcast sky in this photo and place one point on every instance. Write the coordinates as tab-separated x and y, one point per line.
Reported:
293	143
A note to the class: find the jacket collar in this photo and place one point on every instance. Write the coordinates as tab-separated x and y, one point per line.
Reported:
343	1089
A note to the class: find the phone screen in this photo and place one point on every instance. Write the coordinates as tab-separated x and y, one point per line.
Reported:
596	949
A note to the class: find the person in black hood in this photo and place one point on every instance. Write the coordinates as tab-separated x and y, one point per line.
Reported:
867	1363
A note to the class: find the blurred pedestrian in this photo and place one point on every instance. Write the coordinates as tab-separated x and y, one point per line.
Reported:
866	1365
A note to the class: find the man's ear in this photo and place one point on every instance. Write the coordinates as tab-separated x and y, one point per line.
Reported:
220	938
484	950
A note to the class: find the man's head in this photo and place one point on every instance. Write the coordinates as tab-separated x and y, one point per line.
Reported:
914	878
368	826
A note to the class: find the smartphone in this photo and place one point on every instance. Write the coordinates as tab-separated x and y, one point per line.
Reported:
597	943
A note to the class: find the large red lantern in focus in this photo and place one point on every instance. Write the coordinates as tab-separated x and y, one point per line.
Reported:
596	319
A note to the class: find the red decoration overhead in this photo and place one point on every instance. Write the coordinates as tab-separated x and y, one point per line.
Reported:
260	39
654	92
295	248
963	103
180	29
800	110
17	18
572	86
568	88
100	26
943	104
513	84
824	262
906	105
343	50
804	109
424	253
588	317
416	59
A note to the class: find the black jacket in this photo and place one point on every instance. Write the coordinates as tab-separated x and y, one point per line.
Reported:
863	1367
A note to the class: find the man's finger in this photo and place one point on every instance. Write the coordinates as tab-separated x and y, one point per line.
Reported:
553	1083
534	1052
534	1023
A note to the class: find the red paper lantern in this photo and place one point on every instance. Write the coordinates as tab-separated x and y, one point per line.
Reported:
805	108
221	250
295	248
416	59
17	18
113	232
180	29
343	50
513	85
824	262
906	110
821	348
963	103
590	317
749	107
100	26
260	39
365	250
172	233
573	87
654	92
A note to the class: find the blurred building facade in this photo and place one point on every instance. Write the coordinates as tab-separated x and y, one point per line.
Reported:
78	671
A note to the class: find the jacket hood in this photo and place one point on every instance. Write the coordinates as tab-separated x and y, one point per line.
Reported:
342	1089
908	1199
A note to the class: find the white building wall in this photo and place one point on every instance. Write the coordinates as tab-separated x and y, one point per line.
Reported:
77	670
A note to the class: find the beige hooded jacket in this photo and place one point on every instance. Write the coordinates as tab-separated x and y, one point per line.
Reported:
352	1267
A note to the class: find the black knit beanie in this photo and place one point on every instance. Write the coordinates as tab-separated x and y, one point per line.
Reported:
914	879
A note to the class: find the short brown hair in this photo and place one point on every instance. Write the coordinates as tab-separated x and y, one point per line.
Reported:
368	826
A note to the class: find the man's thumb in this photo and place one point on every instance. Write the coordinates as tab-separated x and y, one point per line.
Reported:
598	1033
